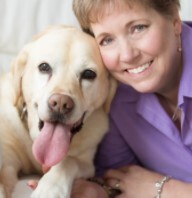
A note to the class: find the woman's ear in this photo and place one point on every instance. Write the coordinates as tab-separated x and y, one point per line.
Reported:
177	25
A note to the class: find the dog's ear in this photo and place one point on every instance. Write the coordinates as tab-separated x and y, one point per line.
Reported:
18	66
17	70
111	93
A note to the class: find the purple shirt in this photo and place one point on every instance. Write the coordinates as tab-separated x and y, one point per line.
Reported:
141	132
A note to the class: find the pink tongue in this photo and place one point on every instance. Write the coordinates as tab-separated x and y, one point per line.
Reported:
52	144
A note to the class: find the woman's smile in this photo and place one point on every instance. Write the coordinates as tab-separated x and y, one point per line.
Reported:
140	69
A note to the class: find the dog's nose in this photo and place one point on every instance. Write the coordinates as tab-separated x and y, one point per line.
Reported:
60	103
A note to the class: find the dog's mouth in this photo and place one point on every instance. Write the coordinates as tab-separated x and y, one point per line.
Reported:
53	141
74	128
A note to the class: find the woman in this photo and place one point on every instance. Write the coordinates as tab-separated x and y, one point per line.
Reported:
147	48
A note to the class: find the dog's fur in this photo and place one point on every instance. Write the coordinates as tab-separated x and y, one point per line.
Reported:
58	77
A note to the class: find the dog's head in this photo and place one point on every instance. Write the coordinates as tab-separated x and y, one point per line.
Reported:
62	80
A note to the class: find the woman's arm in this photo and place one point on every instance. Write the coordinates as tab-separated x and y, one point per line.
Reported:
113	152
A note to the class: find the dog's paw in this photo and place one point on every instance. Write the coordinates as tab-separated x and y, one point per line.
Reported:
52	186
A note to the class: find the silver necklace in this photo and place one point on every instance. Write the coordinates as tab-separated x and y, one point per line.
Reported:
177	114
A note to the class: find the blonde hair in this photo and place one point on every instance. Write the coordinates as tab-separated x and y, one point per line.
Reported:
90	11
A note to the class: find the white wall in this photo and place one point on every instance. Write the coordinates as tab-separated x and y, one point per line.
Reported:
186	10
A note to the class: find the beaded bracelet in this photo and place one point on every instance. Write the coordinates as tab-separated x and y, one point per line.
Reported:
159	185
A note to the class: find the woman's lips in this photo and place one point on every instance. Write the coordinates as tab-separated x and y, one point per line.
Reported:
139	69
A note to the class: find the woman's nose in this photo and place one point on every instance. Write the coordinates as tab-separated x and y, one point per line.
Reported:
128	51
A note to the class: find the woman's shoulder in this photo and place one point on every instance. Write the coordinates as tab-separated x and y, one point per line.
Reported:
189	23
186	29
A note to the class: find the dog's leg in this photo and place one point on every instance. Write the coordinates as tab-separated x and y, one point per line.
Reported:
58	181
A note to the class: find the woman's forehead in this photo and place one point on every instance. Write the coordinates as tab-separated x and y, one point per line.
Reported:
109	7
112	6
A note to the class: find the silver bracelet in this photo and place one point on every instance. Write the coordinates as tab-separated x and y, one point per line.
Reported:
159	185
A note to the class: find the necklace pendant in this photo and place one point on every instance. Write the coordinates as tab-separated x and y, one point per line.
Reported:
176	115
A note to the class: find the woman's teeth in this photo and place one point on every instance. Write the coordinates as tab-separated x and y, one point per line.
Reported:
139	69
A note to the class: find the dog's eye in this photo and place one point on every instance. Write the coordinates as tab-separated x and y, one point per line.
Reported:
45	68
88	74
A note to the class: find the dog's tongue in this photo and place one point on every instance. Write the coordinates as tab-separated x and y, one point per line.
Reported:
52	144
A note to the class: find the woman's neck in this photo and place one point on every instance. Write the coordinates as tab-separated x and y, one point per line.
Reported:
170	92
169	101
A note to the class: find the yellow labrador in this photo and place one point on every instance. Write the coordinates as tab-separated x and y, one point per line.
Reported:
53	110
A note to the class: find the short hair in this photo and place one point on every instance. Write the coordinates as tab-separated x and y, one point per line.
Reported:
90	11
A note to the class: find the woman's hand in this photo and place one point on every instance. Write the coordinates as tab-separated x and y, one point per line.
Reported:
134	181
85	189
137	182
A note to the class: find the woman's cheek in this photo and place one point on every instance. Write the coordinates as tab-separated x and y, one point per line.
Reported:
109	61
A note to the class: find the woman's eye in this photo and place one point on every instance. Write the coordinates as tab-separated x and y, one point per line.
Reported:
138	28
45	68
106	41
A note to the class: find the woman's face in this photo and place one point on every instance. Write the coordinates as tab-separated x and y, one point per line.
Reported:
139	47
